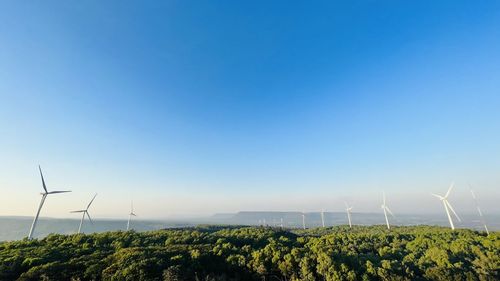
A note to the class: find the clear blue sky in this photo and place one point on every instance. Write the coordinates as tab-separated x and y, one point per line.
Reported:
214	106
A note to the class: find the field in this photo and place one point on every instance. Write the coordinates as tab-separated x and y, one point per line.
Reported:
257	253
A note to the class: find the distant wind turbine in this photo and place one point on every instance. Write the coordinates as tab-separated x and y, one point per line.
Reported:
85	212
386	210
303	220
323	218
131	214
44	194
348	210
483	221
447	205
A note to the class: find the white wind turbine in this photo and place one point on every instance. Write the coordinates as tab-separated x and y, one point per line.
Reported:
323	218
303	220
348	210
85	212
479	211
131	214
44	194
447	205
386	210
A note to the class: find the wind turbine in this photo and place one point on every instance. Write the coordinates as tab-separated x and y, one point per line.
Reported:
323	218
303	220
44	194
348	210
85	212
386	210
131	214
479	211
447	205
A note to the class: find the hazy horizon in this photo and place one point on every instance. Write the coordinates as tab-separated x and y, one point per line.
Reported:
15	228
192	108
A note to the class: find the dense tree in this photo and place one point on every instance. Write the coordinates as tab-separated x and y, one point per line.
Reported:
251	253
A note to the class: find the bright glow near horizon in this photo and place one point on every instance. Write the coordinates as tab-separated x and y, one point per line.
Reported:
200	108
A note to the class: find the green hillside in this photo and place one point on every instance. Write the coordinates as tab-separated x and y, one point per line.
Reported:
252	253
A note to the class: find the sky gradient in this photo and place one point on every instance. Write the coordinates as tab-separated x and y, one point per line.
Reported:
196	107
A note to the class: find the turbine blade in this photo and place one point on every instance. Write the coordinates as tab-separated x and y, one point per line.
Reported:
59	191
390	212
438	196
79	211
449	190
43	181
452	210
88	206
91	221
473	194
479	211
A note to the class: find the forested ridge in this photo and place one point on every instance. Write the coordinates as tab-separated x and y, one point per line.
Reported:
257	253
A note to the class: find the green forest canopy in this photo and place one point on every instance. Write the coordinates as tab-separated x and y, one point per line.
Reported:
258	253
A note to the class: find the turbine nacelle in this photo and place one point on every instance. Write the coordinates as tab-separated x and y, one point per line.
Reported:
347	208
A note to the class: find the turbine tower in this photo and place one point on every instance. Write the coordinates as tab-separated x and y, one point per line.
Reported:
131	214
85	212
483	221
348	210
44	194
447	205
303	220
323	218
386	210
